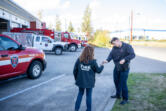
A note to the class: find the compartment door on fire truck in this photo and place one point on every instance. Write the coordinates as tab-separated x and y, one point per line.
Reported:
38	43
47	43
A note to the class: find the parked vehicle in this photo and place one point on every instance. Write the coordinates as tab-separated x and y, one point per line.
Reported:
16	59
39	41
45	32
74	44
83	39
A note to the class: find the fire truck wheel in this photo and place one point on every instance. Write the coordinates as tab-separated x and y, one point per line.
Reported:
58	51
73	48
35	70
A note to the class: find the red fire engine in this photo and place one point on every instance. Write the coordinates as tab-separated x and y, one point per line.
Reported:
73	44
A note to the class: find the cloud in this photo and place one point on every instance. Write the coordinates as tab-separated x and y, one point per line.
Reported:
33	6
66	5
94	4
49	8
103	16
95	7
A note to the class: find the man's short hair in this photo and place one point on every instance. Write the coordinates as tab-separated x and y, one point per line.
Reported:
114	39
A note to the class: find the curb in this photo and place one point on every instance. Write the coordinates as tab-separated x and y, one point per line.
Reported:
108	103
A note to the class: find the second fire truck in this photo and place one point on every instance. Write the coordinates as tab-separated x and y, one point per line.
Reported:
73	44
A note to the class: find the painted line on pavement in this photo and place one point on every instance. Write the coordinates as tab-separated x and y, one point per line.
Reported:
30	88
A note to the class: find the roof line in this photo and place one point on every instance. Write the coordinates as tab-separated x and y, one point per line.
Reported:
18	6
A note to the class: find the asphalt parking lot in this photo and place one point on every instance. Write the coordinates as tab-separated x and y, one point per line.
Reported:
55	89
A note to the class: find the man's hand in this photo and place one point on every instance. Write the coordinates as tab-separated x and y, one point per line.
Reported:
122	61
104	62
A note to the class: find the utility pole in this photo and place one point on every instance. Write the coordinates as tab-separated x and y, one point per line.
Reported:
65	25
131	30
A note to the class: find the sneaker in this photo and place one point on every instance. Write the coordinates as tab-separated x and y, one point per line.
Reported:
123	102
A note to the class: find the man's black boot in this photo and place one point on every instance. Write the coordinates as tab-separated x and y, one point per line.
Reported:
123	102
115	96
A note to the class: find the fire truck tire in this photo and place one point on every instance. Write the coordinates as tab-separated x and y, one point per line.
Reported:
58	51
35	70
72	48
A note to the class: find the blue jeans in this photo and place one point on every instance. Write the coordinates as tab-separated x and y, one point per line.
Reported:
88	98
120	80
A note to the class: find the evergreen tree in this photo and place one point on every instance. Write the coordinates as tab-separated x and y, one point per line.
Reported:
86	24
70	28
58	24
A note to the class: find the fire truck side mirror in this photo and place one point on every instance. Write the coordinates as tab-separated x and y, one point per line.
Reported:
21	47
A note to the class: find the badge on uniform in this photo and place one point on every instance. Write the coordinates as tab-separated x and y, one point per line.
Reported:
14	60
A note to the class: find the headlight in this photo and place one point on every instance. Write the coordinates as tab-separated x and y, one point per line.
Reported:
44	56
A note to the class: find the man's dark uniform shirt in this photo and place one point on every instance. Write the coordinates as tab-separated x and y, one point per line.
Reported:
118	53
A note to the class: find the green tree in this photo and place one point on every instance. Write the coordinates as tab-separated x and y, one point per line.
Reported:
70	28
58	24
50	26
86	24
101	38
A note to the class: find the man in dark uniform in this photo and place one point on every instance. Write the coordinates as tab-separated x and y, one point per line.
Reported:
121	54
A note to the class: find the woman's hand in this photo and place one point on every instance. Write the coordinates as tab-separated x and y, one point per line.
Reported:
104	62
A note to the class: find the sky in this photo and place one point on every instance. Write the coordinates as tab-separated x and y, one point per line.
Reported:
106	14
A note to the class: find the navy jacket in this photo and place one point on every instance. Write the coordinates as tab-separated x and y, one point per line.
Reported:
124	52
84	73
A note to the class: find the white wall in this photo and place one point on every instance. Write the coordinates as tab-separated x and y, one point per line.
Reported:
158	35
13	19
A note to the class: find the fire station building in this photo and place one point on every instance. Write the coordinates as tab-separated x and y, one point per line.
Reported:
12	15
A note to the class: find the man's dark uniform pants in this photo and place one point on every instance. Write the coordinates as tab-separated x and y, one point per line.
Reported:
120	80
